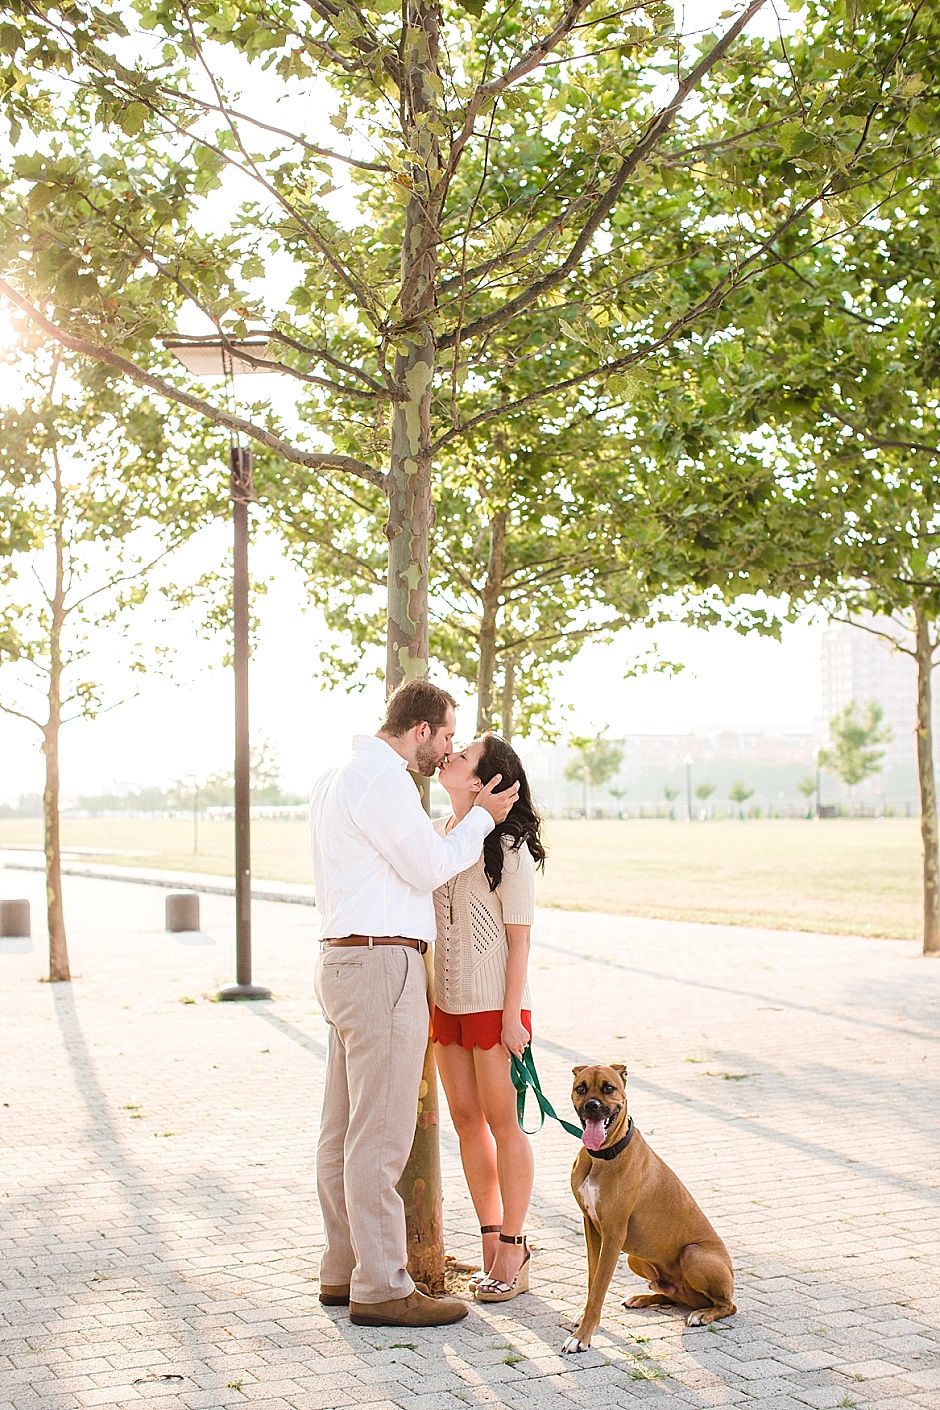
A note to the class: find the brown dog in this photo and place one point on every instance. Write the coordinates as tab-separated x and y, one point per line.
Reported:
632	1202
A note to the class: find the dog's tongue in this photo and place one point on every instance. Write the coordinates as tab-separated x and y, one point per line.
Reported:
594	1134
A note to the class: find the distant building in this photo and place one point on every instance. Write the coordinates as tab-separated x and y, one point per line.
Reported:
861	666
770	762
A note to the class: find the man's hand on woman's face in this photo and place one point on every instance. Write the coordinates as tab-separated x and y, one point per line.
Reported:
498	805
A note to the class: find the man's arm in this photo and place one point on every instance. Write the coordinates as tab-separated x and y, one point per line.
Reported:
393	819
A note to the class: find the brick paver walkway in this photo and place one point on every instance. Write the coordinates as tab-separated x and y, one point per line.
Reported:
159	1231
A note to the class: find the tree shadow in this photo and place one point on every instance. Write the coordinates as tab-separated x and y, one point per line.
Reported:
15	945
790	1139
122	1273
926	1015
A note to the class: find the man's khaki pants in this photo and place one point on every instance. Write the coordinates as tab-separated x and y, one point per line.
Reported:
375	1003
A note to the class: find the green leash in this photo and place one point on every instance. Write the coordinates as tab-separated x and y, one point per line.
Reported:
526	1079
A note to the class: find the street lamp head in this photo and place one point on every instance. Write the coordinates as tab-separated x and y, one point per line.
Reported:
688	761
215	356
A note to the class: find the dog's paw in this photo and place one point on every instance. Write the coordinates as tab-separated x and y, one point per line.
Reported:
696	1319
572	1345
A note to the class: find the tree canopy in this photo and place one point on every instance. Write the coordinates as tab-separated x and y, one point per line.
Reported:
517	208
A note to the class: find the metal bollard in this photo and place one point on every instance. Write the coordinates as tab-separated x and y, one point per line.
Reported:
182	911
14	918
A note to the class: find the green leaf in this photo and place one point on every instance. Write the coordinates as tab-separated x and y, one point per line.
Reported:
39	197
130	119
10	39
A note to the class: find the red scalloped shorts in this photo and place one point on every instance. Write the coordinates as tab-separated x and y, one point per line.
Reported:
472	1030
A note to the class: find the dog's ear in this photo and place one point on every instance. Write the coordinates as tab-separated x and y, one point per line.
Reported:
582	1067
620	1069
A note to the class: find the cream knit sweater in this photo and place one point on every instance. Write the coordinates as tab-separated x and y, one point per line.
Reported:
472	948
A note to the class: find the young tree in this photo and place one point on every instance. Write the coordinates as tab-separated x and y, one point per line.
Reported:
101	481
704	791
596	759
218	790
855	736
807	786
618	794
739	793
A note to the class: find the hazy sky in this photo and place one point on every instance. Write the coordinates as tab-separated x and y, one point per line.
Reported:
183	725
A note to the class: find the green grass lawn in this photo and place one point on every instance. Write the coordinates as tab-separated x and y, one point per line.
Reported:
857	877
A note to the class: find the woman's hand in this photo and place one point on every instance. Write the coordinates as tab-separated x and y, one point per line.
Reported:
515	1036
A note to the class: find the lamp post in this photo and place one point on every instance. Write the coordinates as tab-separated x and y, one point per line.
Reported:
688	783
818	780
214	357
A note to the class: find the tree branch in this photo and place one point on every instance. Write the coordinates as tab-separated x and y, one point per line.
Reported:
394	393
359	291
554	227
529	61
577	634
881	441
873	631
655	130
240	351
729	281
9	710
140	572
98	353
326	152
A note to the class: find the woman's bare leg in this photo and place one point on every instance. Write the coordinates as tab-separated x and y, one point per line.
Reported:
514	1164
477	1146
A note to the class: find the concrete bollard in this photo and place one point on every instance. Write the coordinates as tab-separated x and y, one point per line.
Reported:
182	911
14	918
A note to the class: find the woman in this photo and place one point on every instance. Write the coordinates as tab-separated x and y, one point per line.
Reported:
481	1014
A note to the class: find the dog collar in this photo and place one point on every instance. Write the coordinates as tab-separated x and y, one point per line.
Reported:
608	1152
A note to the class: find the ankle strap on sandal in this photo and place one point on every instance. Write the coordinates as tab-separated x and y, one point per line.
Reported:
512	1238
490	1228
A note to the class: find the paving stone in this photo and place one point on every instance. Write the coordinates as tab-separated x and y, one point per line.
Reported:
185	1242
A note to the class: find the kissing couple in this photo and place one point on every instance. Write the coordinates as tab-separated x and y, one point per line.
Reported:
389	883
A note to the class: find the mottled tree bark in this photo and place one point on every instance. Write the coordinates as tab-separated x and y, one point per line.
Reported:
508	700
409	521
492	593
58	950
927	781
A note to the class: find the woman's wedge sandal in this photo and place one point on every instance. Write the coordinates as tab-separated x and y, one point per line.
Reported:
478	1277
492	1290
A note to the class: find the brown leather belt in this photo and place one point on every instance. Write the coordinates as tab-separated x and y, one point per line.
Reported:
370	940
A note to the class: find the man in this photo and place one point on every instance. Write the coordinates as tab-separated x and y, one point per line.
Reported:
376	862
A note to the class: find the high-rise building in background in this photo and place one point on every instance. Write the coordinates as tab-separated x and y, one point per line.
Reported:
859	665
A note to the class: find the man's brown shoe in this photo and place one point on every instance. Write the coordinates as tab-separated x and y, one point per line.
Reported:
332	1295
415	1310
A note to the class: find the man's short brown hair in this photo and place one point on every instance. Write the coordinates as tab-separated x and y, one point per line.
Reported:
416	703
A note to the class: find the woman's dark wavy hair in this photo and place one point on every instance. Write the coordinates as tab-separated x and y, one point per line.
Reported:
523	823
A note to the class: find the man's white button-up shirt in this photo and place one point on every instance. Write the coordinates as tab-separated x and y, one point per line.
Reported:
376	856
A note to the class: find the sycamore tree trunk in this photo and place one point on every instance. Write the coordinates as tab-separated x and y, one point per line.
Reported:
926	779
409	521
58	950
492	591
507	700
